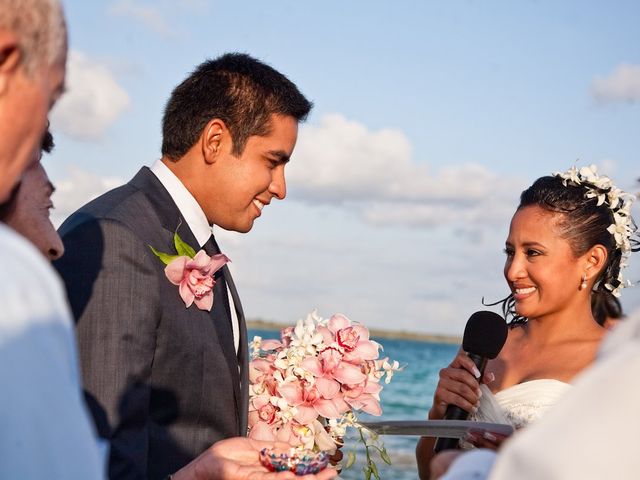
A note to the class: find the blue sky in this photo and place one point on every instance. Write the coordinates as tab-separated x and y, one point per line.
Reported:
430	118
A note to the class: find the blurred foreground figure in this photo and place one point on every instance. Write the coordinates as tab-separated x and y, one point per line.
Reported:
46	432
28	209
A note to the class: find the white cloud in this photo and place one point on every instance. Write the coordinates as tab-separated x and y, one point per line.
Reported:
158	16
373	173
93	102
78	188
621	85
148	15
434	215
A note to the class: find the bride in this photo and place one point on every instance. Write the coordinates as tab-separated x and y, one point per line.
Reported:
568	241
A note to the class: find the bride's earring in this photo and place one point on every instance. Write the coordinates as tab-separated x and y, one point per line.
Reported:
583	285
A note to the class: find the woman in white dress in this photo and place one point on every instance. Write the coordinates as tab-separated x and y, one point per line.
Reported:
568	241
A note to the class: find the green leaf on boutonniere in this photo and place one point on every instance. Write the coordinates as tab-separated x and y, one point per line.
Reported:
165	257
182	247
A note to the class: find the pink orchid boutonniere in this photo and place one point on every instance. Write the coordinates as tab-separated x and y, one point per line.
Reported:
192	272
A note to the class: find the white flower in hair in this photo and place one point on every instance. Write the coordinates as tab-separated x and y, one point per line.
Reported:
571	175
589	174
601	196
618	201
621	231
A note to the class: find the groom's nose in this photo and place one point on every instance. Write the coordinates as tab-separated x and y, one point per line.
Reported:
278	185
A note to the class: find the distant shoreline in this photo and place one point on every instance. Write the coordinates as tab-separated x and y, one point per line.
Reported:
393	334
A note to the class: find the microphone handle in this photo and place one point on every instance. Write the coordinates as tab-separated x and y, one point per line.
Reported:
456	413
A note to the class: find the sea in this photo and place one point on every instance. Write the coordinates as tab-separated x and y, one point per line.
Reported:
407	397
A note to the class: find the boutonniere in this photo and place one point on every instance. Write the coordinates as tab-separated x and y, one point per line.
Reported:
192	272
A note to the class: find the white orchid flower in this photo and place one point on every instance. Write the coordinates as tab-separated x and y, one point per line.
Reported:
589	174
570	175
390	369
601	196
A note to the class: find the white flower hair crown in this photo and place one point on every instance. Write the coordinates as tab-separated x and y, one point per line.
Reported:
618	201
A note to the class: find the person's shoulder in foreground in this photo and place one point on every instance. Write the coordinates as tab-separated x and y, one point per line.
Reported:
38	373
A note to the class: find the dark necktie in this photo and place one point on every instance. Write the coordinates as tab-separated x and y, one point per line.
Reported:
221	317
221	311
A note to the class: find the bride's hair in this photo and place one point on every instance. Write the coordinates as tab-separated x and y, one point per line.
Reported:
584	223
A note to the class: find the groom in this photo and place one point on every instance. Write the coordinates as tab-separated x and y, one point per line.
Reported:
163	379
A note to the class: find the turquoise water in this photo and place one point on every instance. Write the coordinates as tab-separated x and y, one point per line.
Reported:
407	397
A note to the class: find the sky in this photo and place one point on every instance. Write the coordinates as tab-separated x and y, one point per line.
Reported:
430	118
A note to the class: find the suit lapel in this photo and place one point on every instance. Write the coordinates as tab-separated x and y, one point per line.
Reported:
164	206
171	219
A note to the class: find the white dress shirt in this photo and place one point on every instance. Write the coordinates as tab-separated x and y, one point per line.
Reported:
45	431
590	434
197	221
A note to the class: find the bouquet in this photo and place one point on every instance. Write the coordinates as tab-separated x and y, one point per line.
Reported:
307	387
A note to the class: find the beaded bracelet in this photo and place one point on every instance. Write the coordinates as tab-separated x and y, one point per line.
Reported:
300	462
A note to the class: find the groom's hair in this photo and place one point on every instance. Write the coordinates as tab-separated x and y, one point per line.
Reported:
239	90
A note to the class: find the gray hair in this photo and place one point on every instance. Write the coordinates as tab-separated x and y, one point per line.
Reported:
40	28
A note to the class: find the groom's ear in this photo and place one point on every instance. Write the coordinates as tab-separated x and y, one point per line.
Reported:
214	138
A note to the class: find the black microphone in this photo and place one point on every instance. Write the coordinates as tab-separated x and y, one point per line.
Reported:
484	337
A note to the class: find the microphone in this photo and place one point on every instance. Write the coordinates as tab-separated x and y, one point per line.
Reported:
484	337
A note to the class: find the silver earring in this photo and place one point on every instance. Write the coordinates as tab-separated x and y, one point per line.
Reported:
583	285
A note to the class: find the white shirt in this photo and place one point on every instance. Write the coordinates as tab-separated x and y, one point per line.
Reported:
197	221
590	434
45	431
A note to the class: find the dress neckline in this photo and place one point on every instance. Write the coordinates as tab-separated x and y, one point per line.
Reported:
532	383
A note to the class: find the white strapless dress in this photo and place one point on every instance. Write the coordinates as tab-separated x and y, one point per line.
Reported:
520	404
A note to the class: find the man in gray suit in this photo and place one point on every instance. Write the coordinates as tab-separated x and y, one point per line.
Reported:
164	381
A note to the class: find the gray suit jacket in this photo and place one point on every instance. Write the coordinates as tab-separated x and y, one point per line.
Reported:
163	382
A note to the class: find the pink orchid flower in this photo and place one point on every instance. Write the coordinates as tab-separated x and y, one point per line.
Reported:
263	431
256	404
310	403
261	373
285	336
351	339
270	344
295	434
363	397
194	276
330	371
261	410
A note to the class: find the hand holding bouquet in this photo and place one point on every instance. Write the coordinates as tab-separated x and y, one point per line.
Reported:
307	387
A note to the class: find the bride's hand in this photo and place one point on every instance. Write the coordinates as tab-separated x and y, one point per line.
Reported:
458	385
485	439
